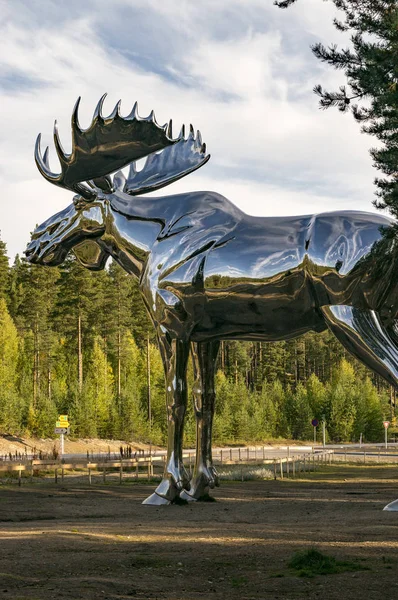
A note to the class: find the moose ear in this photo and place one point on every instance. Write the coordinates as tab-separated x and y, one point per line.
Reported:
90	255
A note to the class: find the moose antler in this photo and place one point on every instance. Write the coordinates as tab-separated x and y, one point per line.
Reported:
110	143
165	167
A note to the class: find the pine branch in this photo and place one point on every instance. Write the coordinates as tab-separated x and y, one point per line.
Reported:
284	3
338	99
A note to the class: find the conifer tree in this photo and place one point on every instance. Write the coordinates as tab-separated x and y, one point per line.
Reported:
10	404
4	271
74	312
341	413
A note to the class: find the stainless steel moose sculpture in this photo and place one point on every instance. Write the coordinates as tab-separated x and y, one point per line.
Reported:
209	272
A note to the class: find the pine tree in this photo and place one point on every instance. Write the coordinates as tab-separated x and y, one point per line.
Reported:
341	413
91	416
17	278
371	69
299	414
33	298
119	315
10	405
4	272
74	313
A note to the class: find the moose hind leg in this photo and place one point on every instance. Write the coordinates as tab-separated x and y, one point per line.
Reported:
204	477
363	334
174	355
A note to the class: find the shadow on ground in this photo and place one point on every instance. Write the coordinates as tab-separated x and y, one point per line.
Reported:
75	541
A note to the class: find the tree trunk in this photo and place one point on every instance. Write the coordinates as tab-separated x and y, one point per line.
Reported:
49	381
79	352
119	380
36	358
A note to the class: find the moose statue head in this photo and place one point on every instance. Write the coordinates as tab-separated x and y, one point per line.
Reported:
209	272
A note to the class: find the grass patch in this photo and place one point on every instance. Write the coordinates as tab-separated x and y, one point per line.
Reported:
180	501
240	581
145	562
207	498
309	563
245	473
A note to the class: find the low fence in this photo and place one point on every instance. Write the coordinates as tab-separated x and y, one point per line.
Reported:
152	466
380	456
147	467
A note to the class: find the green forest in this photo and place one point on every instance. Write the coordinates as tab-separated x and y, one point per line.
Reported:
78	342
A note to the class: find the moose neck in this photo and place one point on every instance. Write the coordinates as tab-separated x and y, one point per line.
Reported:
129	239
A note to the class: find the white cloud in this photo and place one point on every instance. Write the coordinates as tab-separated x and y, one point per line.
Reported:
244	76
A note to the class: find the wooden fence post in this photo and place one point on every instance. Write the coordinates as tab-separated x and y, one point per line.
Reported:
56	475
281	460
104	475
121	472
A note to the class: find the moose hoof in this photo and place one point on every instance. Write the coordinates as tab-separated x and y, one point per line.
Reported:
392	507
156	500
200	486
187	496
167	492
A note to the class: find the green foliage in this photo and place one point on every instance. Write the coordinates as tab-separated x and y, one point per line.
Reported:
263	390
309	563
4	271
9	398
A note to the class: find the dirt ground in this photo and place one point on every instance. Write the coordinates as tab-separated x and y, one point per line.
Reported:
72	541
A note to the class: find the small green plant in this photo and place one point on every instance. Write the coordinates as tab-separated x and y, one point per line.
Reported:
309	563
239	581
207	498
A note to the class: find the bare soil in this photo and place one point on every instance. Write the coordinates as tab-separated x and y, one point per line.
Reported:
74	541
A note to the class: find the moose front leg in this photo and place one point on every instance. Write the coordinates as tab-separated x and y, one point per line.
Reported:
174	355
204	356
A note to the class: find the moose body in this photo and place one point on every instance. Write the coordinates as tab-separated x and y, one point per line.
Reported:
209	272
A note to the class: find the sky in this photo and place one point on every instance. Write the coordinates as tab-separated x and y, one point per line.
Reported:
240	70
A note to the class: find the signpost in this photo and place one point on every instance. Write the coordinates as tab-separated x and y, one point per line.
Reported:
386	426
315	424
62	428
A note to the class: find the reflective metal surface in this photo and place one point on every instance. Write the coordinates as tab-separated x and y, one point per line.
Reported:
209	272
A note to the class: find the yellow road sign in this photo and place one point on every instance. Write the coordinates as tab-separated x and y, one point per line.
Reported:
62	424
63	418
